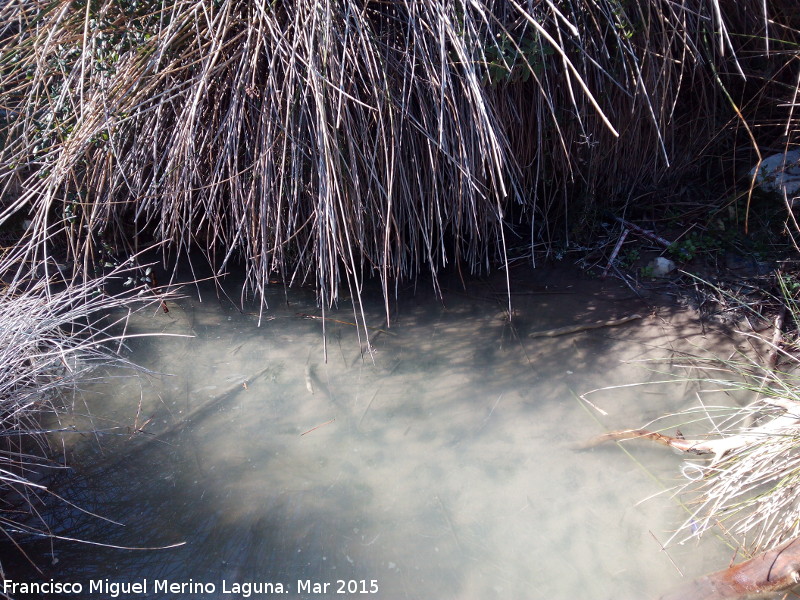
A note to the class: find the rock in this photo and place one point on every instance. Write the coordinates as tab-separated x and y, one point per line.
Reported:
780	173
661	266
747	266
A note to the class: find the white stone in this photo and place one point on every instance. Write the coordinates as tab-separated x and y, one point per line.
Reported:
661	266
779	173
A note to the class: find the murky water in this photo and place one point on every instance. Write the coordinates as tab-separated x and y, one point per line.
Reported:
442	465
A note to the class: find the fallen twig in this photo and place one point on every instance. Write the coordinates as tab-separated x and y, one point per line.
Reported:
614	252
720	447
318	426
777	335
140	442
330	320
582	327
644	232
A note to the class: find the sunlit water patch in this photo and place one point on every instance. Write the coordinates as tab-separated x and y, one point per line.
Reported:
435	460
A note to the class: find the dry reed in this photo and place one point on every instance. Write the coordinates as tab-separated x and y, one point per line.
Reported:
54	334
333	141
751	493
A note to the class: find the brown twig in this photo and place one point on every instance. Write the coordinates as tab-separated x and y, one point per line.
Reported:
350	323
582	327
646	233
777	336
318	426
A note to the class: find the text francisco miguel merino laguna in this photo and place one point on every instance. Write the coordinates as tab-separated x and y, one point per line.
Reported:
115	589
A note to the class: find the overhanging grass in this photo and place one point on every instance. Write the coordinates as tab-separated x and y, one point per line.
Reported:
54	334
332	141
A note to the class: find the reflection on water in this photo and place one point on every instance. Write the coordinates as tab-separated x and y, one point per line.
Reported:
440	466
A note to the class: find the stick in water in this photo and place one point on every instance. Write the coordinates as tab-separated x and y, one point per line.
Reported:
318	426
577	328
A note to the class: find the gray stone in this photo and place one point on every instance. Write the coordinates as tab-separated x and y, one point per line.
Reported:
780	173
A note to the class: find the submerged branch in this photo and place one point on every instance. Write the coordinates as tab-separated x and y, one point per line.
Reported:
583	327
721	447
777	570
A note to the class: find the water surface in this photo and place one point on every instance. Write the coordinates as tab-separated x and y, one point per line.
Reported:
436	460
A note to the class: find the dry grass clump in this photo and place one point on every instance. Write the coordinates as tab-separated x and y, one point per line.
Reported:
751	492
53	334
319	140
331	141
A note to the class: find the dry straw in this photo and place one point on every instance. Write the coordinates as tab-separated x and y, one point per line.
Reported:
752	491
330	141
54	334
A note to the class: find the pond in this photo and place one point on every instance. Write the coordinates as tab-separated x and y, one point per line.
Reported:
437	459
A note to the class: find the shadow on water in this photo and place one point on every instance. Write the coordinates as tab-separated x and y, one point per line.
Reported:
441	466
